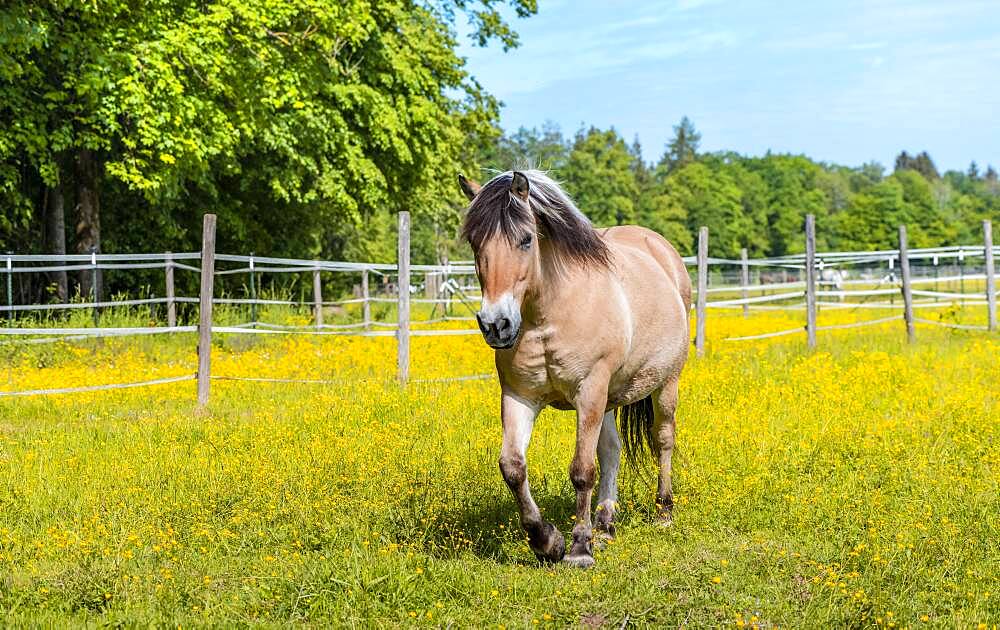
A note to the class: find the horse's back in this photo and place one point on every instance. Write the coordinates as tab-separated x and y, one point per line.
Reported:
653	244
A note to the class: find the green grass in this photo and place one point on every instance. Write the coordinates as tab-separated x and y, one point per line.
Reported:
856	486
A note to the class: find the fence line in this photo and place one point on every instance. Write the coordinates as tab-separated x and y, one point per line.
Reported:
950	325
812	276
98	332
779	333
755	300
97	388
871	322
340	381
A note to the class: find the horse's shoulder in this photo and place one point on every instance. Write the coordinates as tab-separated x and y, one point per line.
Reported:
646	243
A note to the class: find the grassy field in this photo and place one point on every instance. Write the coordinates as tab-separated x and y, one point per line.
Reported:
853	486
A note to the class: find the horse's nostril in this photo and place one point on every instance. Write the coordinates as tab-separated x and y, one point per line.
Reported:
503	324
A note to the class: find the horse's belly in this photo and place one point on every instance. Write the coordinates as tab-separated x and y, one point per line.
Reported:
638	385
657	359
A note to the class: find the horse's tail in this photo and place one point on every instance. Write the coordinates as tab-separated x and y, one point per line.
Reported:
635	424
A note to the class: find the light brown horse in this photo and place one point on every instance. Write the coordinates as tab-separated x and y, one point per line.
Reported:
585	319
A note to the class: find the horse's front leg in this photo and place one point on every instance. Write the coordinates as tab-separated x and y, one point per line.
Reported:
590	404
518	417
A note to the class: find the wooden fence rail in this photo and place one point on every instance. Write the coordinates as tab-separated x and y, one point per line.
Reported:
802	275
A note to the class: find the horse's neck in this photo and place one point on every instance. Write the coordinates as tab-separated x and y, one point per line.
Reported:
557	284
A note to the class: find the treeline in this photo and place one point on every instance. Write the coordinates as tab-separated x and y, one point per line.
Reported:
758	203
305	126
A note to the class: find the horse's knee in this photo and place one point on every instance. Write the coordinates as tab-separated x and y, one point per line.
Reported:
514	470
665	438
666	433
582	475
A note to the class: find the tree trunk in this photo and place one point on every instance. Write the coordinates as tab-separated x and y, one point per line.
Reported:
55	236
88	226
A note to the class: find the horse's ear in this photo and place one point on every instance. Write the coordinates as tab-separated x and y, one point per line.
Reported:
469	187
519	185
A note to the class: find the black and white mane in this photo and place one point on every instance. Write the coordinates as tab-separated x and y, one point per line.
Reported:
497	210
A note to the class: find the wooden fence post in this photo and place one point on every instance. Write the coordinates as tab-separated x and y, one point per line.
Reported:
936	275
699	338
403	319
95	292
318	297
961	274
991	287
366	308
253	292
745	279
205	307
811	279
446	295
904	270
10	288
171	303
431	282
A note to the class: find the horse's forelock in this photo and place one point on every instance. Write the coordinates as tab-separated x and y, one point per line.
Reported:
496	210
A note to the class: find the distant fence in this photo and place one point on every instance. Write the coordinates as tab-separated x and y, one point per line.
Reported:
831	280
807	281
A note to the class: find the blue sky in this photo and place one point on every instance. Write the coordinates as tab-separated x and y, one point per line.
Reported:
847	81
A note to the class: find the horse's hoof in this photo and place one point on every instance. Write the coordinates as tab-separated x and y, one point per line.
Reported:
602	538
604	527
580	561
665	520
553	545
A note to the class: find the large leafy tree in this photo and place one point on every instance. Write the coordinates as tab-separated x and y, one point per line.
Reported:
293	116
599	175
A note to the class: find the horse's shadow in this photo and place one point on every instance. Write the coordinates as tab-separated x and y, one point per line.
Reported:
486	523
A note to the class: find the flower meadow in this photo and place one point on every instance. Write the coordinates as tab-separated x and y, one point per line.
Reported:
854	485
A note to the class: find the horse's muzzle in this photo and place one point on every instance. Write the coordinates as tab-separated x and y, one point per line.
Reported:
500	333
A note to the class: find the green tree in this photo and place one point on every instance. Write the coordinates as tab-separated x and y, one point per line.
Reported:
868	223
544	148
309	115
792	193
921	163
709	198
599	176
683	147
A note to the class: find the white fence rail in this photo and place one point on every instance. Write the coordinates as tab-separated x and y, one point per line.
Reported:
804	279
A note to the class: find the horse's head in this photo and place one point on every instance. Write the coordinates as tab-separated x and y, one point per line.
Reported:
504	236
522	225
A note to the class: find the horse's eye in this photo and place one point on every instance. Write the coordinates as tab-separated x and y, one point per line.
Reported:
525	243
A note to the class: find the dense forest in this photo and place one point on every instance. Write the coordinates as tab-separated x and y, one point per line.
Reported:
757	202
307	125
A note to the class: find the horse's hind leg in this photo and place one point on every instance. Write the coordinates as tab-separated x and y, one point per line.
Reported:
518	419
609	448
664	429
